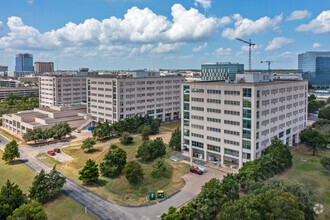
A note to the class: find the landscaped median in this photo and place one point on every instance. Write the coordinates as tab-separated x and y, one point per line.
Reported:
118	190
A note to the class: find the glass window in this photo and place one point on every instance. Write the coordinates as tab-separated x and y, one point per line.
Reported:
246	113
257	114
258	104
257	145
186	97
247	92
246	103
246	144
186	115
247	134
257	125
258	93
186	106
247	124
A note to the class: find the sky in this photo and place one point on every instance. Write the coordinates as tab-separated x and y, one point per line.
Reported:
168	34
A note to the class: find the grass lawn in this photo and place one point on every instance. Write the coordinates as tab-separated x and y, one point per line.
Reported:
62	208
9	136
171	126
313	176
118	190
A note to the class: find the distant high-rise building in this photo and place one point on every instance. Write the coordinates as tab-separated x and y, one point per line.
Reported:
24	62
3	70
221	71
44	67
315	67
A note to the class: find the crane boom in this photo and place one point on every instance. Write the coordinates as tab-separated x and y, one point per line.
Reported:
250	44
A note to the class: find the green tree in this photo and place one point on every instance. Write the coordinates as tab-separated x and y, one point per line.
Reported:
114	162
11	152
154	126
126	139
325	162
30	211
11	197
325	113
47	187
175	141
90	172
312	106
150	150
145	133
88	144
314	140
312	97
133	172
160	169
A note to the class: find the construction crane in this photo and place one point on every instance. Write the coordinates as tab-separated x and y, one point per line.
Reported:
250	45
268	62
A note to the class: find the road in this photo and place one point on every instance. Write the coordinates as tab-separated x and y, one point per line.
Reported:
107	210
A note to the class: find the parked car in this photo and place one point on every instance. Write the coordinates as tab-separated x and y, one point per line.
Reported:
57	150
203	169
196	170
52	153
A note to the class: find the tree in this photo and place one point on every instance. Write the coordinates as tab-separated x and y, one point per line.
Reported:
126	139
154	126
312	106
325	113
150	150
11	152
314	140
11	197
133	172
113	162
160	169
88	144
312	97
145	133
325	162
90	172
47	187
30	211
175	141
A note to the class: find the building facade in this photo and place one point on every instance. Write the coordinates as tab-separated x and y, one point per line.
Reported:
44	67
232	123
22	91
113	98
61	90
221	71
24	62
315	67
7	83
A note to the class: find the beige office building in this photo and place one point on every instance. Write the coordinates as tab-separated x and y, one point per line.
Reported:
44	67
61	90
113	98
230	123
21	91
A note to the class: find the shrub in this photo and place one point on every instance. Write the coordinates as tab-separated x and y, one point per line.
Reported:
150	150
126	139
133	172
325	162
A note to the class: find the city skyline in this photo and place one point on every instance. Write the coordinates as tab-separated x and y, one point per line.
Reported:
136	34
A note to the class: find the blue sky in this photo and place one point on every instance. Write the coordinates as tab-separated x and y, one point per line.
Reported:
175	34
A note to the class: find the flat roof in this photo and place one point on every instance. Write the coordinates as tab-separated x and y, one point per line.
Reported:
222	82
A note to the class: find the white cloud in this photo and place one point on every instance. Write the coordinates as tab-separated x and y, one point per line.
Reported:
204	3
245	26
139	26
298	15
278	43
316	45
167	48
30	1
1	26
319	25
199	48
222	51
246	47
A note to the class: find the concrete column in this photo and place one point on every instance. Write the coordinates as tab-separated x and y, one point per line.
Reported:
205	153
222	160
290	141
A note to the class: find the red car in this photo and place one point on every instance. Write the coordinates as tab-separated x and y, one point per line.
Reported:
196	170
57	150
52	153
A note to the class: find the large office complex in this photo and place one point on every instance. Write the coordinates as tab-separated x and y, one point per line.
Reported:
315	67
61	90
22	91
24	62
233	122
44	67
221	71
113	98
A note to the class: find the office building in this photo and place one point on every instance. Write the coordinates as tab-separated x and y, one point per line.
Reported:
21	91
61	90
7	83
24	62
4	71
85	72
45	117
44	67
221	71
315	67
230	123
113	98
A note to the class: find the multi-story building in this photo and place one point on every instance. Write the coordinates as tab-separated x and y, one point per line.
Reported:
44	67
221	71
234	122
61	90
315	67
24	62
22	91
113	98
7	83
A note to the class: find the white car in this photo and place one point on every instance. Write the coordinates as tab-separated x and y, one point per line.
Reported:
203	169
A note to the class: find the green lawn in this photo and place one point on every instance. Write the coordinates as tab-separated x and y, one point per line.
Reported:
62	208
312	175
118	190
9	136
